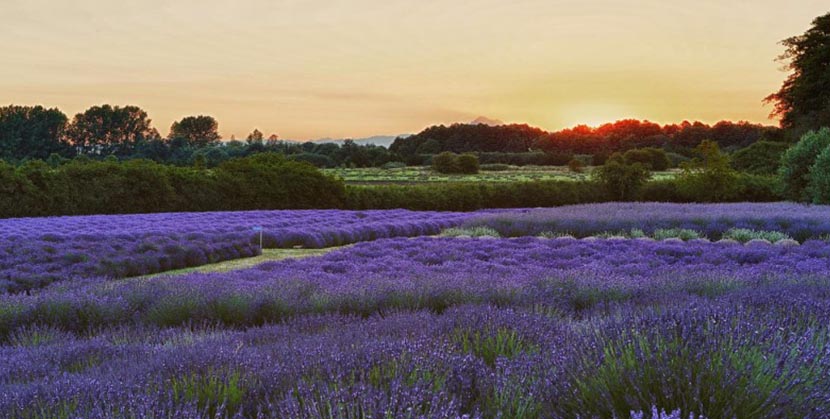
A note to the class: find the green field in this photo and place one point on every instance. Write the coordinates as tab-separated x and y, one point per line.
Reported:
374	175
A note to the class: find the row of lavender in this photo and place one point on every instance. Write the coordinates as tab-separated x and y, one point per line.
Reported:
801	222
417	273
287	228
584	329
27	264
35	252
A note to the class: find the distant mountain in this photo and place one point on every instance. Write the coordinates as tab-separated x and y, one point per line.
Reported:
486	121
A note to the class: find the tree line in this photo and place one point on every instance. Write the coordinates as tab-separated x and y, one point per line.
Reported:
600	142
125	132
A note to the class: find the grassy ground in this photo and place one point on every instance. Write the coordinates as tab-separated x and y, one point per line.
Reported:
369	176
266	256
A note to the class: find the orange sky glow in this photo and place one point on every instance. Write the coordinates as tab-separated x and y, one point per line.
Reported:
309	69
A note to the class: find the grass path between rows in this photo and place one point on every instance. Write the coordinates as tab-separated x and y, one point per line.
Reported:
268	255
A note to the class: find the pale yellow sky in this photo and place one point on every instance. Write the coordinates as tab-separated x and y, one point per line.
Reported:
309	69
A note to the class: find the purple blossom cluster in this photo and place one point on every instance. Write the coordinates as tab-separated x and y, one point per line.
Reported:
801	222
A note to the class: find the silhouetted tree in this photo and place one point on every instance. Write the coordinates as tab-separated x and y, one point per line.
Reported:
255	136
31	132
107	129
803	102
197	131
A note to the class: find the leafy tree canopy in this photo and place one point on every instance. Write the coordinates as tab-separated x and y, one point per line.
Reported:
31	132
197	131
803	102
110	130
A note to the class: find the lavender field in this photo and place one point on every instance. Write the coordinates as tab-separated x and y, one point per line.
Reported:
37	251
428	326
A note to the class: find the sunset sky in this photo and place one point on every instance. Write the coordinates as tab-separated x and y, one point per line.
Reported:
309	69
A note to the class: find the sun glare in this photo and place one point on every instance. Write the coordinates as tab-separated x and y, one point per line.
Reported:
594	114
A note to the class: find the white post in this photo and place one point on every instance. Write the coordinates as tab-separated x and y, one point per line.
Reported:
259	229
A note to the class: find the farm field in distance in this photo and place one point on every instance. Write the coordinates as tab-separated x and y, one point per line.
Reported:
582	311
407	175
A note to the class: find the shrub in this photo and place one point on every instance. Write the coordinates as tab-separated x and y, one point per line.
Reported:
467	163
575	165
744	235
263	181
675	233
819	186
708	178
761	158
663	190
472	196
445	162
745	188
755	188
448	162
653	158
621	179
797	161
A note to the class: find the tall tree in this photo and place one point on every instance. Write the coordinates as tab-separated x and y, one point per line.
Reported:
31	132
197	131
110	130
803	102
255	141
255	136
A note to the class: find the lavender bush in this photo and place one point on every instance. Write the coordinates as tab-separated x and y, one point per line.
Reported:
801	222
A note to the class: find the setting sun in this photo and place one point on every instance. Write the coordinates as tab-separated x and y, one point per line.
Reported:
594	114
